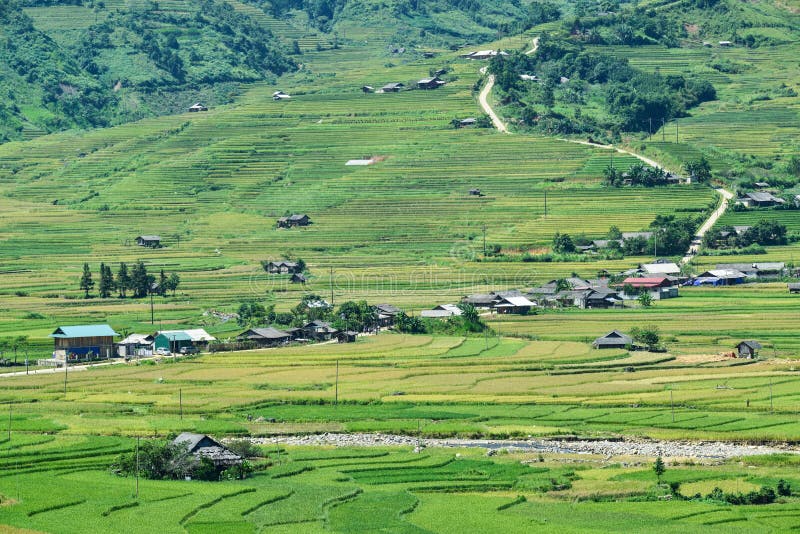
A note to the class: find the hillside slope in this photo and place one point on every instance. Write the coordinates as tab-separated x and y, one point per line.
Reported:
86	65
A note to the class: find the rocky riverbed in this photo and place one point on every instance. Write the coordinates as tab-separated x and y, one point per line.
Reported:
647	448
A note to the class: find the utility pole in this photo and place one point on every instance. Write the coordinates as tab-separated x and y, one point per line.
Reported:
672	404
771	406
137	467
484	240
152	312
180	401
663	130
650	128
331	284
9	422
676	131
336	390
66	366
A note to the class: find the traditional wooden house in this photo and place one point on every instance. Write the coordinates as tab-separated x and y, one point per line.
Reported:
794	288
347	337
475	192
613	340
469	121
318	330
659	287
512	304
150	241
203	446
386	314
367	89
393	87
759	199
298	278
430	83
484	54
294	220
283	267
442	311
480	300
280	95
265	337
197	107
83	342
748	349
757	270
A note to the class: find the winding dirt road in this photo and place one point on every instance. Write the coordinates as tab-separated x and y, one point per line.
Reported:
725	195
498	124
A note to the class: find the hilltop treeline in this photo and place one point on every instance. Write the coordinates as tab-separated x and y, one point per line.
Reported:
131	62
455	18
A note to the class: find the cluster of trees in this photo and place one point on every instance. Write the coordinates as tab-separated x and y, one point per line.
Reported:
764	495
468	322
42	74
14	344
670	236
644	175
637	174
356	316
136	280
171	461
764	232
635	100
632	27
647	336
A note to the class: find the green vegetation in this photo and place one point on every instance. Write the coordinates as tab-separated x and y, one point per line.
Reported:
629	99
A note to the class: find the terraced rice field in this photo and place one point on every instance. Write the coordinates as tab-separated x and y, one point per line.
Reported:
212	185
416	385
439	386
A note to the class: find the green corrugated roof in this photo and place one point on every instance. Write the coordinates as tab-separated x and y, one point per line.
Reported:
87	330
176	335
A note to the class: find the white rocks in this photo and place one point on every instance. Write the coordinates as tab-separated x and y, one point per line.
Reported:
605	448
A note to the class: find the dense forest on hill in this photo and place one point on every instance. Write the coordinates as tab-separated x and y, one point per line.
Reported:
569	76
80	64
460	18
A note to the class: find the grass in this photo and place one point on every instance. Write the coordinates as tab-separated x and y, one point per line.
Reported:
398	490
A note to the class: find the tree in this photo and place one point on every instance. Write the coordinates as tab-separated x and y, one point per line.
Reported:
645	299
162	283
562	243
86	280
106	281
251	313
614	233
410	325
19	343
172	283
141	281
699	170
784	488
647	335
123	280
659	468
355	316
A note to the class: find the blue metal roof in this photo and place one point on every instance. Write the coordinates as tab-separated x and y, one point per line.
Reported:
89	330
